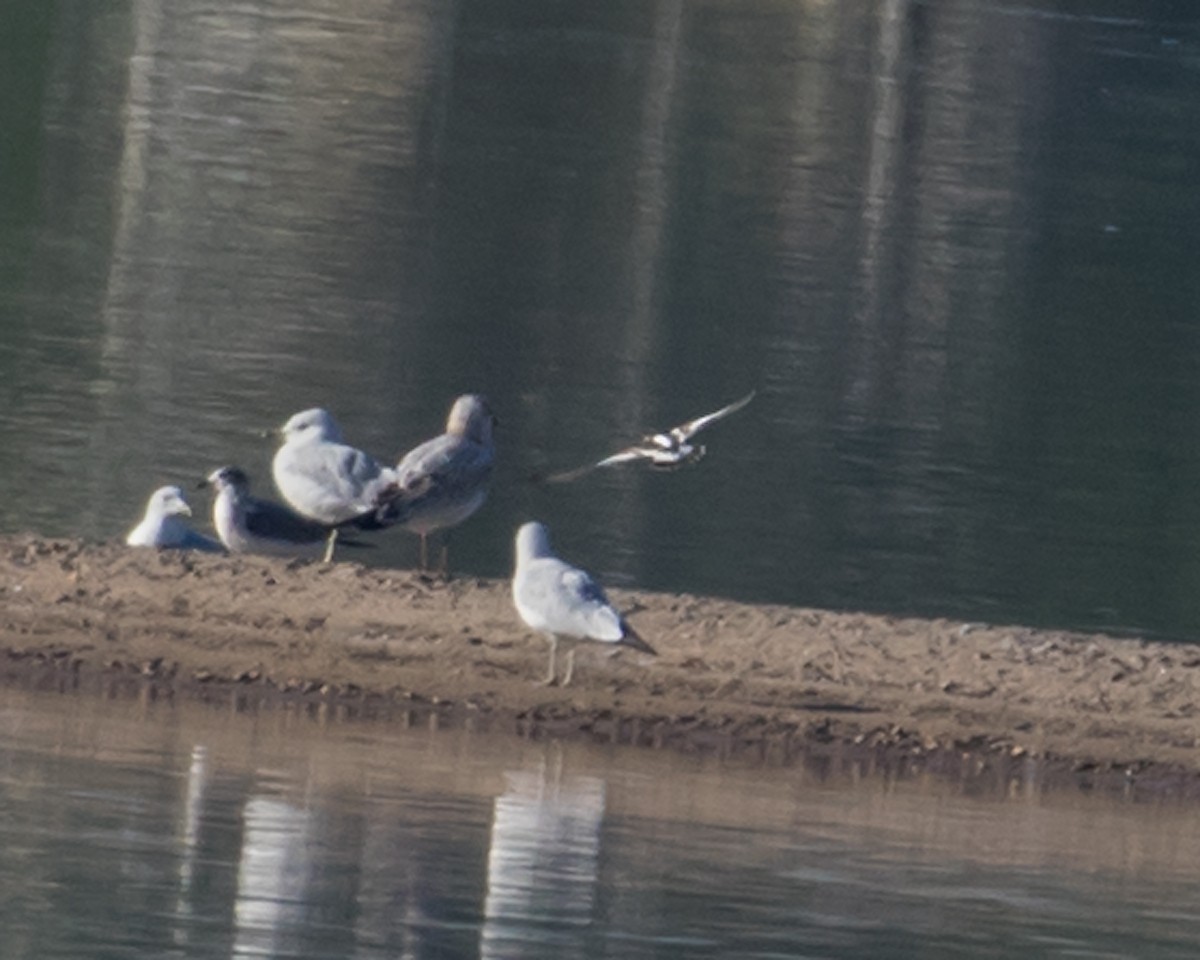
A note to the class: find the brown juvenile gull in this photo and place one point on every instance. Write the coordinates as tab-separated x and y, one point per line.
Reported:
445	480
564	602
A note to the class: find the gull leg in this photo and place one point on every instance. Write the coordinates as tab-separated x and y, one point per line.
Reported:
570	667
329	545
444	566
549	681
423	556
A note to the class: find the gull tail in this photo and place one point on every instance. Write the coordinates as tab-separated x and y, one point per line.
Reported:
369	521
395	504
631	639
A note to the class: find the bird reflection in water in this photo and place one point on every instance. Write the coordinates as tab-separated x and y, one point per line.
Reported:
543	863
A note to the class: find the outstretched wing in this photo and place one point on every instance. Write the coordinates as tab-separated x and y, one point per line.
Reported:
647	448
622	456
685	431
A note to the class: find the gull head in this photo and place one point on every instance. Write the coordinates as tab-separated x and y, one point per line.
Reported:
472	419
533	541
227	478
310	426
169	502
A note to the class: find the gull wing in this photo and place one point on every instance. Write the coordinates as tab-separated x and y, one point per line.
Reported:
273	521
622	456
584	605
194	540
685	431
329	482
446	462
440	474
576	604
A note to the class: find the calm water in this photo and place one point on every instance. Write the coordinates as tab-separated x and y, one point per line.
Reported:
952	245
145	830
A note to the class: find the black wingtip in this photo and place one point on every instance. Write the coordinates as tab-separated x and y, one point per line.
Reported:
631	639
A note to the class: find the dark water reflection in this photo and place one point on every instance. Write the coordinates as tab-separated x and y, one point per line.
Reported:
145	830
951	244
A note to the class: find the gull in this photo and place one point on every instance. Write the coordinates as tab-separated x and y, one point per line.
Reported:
162	526
327	481
248	524
445	480
563	602
664	451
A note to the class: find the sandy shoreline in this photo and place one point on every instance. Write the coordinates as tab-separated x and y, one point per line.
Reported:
779	680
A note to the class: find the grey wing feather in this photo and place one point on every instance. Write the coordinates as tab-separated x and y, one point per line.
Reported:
361	466
687	430
561	595
198	541
329	474
564	476
604	622
352	471
445	466
623	456
586	601
272	521
580	586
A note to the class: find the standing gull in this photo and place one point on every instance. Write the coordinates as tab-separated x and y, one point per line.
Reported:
248	524
445	480
664	451
563	602
162	526
326	480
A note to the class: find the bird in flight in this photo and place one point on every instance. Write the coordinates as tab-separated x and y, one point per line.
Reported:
663	451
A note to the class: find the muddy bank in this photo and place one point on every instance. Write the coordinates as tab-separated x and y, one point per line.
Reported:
779	680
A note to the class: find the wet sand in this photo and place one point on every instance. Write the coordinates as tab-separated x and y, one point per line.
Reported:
778	680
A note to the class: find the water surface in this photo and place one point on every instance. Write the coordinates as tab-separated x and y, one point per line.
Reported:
142	829
950	244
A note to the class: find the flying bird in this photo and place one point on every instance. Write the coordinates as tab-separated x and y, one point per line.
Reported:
563	602
441	482
162	525
663	451
328	481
